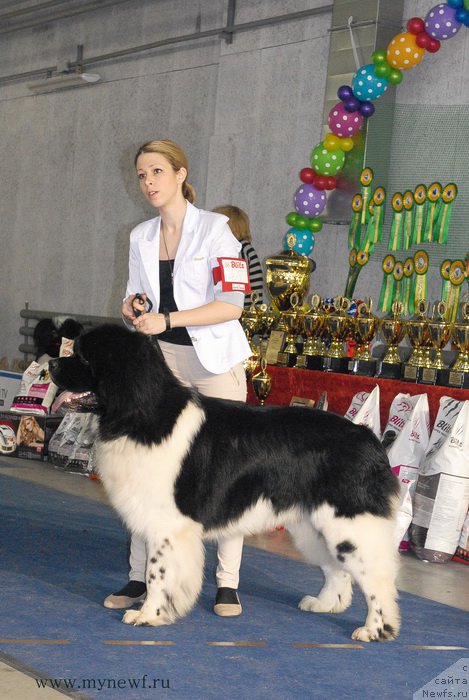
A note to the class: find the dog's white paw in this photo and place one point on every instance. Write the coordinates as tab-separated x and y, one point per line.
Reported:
367	634
311	604
139	618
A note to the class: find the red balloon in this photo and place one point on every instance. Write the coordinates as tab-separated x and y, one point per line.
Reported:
331	183
320	182
423	39
433	45
307	175
415	25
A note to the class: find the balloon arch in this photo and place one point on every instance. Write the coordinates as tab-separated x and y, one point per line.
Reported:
346	118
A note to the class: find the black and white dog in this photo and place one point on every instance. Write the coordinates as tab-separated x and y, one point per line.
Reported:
180	467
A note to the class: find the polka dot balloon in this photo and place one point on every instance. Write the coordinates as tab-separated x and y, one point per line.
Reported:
441	22
309	201
366	85
343	123
326	162
403	52
303	241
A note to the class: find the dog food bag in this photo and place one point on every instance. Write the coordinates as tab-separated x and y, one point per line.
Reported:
441	496
37	390
404	514
462	550
409	419
364	410
71	445
401	410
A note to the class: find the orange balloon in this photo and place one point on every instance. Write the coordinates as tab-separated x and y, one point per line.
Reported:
403	52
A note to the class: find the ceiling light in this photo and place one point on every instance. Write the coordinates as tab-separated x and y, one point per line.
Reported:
63	82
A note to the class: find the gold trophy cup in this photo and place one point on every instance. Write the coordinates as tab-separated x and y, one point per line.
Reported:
459	374
339	326
365	325
262	383
440	332
292	321
313	348
393	330
287	273
419	335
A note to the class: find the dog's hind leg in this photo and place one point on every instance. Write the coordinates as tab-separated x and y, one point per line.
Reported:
174	578
336	593
365	548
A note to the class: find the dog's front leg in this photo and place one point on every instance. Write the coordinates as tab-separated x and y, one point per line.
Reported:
174	578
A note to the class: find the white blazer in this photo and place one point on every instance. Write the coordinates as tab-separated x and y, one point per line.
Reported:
205	237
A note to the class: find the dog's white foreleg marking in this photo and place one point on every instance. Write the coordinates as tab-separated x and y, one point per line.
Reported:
364	547
174	578
336	593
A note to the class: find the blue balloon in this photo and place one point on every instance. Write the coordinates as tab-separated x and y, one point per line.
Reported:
301	241
455	3
366	85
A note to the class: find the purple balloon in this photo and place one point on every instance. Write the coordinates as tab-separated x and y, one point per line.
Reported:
352	104
344	92
309	201
441	22
367	109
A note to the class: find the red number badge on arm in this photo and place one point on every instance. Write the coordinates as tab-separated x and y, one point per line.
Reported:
233	275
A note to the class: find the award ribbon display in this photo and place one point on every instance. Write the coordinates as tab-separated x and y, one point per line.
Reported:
387	288
420	198
395	234
421	269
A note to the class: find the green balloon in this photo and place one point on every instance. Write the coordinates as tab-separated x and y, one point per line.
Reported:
315	225
395	76
291	218
301	222
379	57
382	70
326	162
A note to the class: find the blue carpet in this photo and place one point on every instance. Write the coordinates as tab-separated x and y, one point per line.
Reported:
61	555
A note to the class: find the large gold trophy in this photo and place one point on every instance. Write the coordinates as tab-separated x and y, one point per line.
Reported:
287	278
287	272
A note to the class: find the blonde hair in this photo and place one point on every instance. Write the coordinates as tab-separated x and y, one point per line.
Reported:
238	221
175	156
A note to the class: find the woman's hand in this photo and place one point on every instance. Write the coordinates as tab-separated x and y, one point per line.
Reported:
134	306
150	324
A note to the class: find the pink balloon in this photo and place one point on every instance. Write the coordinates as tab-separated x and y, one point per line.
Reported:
343	123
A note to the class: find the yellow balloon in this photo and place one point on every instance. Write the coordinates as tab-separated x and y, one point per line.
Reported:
331	142
346	144
403	52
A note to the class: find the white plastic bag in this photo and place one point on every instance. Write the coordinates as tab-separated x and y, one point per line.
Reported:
364	410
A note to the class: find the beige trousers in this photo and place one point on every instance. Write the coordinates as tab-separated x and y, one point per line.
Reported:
185	365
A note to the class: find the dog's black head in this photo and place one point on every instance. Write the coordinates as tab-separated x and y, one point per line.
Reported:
129	376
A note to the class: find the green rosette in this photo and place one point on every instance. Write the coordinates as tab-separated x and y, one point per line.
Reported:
387	288
420	199
354	232
395	234
445	283
408	201
449	194
357	260
408	287
398	274
366	178
457	275
421	269
433	201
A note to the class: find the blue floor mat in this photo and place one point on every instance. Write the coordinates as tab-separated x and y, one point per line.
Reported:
61	555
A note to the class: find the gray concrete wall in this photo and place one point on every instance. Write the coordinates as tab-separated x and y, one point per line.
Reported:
247	114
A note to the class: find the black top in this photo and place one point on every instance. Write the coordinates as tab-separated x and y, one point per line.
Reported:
178	336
